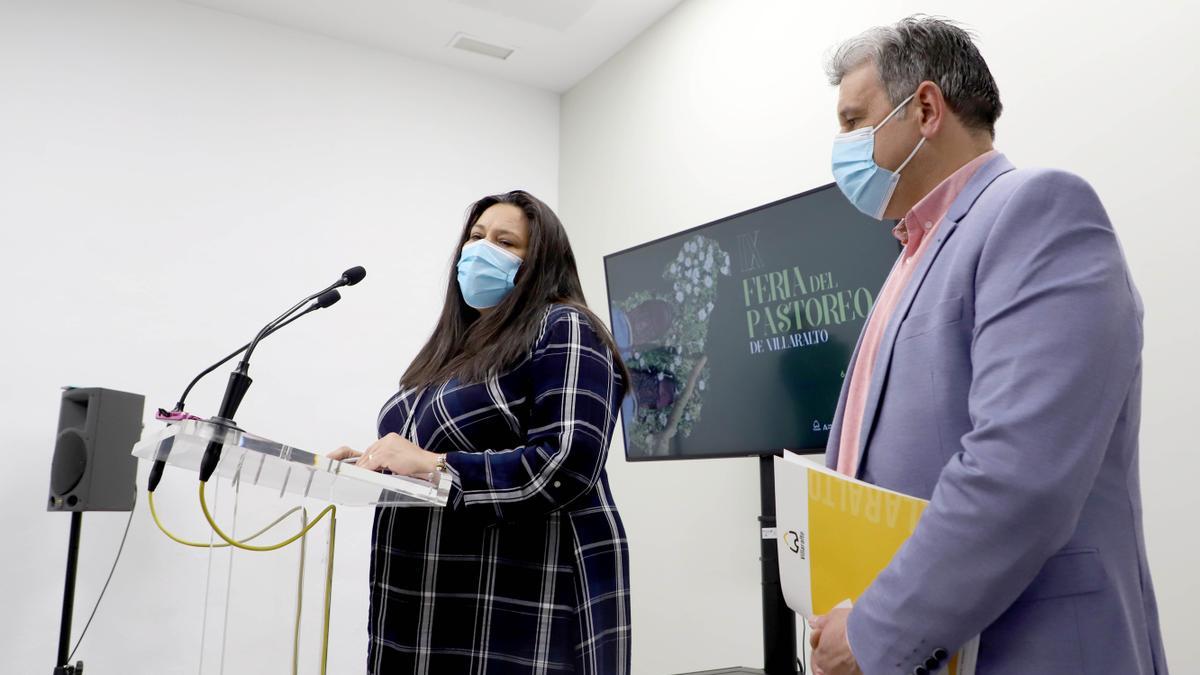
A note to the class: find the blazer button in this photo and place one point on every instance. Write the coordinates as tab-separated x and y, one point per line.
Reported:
932	664
940	654
920	670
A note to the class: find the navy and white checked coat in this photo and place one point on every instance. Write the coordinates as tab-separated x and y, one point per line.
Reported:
527	569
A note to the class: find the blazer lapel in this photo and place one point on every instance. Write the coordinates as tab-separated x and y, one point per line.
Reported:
958	210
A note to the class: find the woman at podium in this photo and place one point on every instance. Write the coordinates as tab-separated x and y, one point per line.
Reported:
515	397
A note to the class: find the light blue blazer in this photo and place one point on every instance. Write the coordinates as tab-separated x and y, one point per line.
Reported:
1008	393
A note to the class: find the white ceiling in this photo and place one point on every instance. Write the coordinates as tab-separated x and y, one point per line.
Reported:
557	42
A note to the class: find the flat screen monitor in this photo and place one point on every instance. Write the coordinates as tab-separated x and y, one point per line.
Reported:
738	332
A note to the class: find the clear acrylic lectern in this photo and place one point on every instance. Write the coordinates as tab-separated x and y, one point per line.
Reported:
253	460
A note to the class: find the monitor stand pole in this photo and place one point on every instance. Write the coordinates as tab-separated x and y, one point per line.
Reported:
779	621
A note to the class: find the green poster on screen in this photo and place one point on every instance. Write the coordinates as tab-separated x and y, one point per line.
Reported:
738	332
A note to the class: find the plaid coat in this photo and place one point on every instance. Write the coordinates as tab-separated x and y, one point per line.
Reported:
527	569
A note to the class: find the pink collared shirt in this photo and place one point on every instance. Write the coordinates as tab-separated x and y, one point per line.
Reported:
917	229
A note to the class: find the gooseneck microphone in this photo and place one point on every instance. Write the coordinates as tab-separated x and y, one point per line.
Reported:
239	379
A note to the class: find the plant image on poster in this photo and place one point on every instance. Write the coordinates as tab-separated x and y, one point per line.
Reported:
665	333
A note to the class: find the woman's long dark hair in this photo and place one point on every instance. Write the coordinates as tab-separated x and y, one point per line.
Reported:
471	346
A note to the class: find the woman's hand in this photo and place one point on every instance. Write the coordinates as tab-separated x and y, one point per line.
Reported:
344	453
394	453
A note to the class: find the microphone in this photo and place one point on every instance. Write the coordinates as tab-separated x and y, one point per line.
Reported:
354	275
324	300
239	380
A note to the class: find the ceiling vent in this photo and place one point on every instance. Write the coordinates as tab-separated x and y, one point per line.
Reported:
477	46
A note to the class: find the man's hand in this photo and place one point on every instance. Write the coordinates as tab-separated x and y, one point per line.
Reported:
831	648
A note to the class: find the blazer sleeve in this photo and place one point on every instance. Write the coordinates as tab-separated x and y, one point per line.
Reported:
575	398
1055	350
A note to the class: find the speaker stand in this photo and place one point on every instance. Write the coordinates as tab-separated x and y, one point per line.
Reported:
64	633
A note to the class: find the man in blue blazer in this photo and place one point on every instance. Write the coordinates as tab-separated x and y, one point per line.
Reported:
999	376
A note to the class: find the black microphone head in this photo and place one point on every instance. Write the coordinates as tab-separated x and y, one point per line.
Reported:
326	299
354	275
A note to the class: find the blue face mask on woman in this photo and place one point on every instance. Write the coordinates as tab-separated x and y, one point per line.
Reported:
486	273
866	184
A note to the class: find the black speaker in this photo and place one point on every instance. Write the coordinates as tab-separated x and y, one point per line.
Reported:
93	469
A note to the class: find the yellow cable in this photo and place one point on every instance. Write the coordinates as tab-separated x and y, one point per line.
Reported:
198	544
242	544
247	547
299	600
328	592
332	511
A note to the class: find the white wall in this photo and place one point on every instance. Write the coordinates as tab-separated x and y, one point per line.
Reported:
722	106
170	179
151	152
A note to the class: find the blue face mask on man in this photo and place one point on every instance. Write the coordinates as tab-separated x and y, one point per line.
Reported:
486	273
866	184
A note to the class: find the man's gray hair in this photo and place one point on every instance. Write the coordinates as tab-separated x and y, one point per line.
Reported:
921	48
